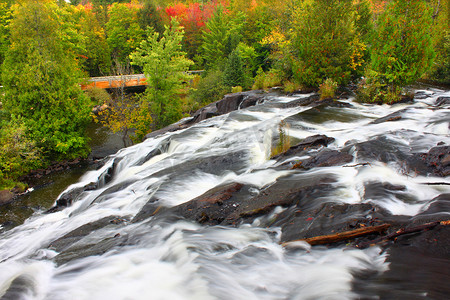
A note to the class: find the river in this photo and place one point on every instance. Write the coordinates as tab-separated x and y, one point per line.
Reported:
96	249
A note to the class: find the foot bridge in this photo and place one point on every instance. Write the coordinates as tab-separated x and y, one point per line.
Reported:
114	82
121	81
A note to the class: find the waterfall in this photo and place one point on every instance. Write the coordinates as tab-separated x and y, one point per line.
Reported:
97	247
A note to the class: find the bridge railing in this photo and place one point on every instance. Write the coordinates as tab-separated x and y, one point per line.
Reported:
113	82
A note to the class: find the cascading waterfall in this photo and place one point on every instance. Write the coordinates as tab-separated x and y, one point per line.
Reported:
169	257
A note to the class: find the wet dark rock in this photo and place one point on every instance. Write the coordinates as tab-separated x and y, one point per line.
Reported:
151	208
441	101
108	176
302	222
22	285
70	238
6	197
421	95
251	100
381	149
212	207
68	197
435	162
418	265
391	117
216	164
311	142
234	203
325	158
170	128
229	103
85	250
204	113
233	102
382	190
70	248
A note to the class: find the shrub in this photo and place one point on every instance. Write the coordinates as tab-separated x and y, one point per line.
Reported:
284	140
210	88
372	89
97	95
259	80
290	87
18	153
234	71
327	89
236	89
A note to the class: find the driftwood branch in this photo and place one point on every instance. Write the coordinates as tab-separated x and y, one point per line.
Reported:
360	164
341	236
352	234
403	231
436	183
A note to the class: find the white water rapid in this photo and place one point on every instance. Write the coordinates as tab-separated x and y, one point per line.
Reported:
173	258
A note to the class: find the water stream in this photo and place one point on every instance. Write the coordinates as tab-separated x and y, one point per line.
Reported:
174	258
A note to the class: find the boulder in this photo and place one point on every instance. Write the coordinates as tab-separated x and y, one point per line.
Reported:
391	117
435	162
443	100
233	102
325	158
6	197
311	142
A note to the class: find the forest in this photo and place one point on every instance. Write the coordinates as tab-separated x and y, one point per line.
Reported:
48	48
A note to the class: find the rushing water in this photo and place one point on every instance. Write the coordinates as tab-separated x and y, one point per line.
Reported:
172	258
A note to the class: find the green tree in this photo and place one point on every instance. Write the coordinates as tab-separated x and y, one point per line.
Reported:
5	18
165	66
18	153
93	52
41	81
324	41
401	46
222	35
440	71
123	31
234	71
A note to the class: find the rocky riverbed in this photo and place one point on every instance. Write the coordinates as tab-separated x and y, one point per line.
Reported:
205	197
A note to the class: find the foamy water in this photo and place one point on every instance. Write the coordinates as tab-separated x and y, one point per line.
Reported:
177	259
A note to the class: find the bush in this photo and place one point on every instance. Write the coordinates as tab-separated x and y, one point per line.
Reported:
284	140
210	88
18	153
234	71
236	89
401	49
97	95
325	43
290	87
327	89
259	80
372	89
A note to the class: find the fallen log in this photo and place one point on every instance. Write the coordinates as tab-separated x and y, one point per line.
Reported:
403	231
357	165
341	236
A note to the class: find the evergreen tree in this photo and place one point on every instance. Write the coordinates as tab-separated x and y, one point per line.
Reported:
234	72
5	18
401	46
165	65
93	52
123	31
324	41
41	81
221	37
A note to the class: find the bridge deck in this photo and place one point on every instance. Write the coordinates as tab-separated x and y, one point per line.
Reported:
112	82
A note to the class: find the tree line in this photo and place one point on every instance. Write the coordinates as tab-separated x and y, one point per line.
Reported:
48	47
